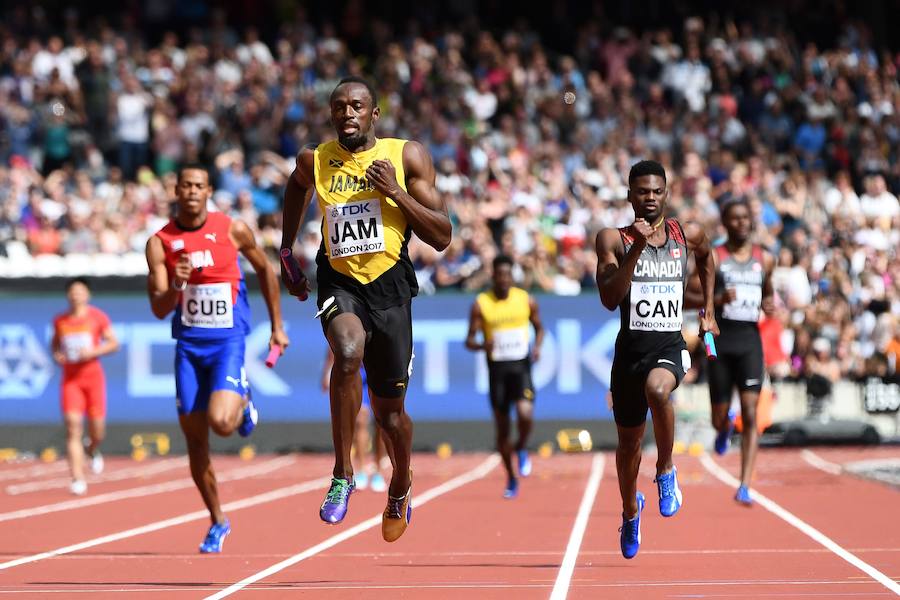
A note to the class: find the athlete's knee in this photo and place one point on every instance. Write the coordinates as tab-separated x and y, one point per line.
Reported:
390	421
658	393
221	425
525	409
348	355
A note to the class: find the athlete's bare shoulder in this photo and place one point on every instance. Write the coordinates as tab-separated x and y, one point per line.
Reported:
305	164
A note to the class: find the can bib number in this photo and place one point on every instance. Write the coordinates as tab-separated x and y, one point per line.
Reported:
354	228
656	306
208	305
509	344
745	306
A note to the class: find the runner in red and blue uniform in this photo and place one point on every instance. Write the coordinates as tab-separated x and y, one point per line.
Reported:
194	272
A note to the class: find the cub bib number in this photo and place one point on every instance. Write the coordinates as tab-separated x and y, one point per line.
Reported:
354	228
208	306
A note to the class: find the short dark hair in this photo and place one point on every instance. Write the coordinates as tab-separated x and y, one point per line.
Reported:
361	81
644	168
731	203
82	280
194	167
502	259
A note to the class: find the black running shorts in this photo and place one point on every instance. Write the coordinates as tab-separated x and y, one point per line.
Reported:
740	367
388	354
509	381
628	380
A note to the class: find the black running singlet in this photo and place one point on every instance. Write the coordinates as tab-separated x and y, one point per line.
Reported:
652	310
740	316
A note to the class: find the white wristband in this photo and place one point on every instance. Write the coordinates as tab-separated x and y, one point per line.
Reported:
180	288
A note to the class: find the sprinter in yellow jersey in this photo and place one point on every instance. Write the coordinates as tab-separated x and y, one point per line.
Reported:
502	315
373	194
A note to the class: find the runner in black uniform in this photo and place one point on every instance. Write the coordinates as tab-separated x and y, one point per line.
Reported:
743	287
642	270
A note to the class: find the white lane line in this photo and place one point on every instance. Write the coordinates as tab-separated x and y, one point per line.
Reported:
126	473
448	486
145	490
281	589
564	577
804	527
34	471
814	460
277	494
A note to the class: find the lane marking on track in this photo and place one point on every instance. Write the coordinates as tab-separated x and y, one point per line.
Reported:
448	486
34	471
113	475
804	527
145	490
814	460
564	577
277	494
284	587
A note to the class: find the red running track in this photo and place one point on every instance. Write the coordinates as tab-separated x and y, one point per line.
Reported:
820	532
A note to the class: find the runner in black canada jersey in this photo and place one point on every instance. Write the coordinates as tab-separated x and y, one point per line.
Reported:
743	289
642	270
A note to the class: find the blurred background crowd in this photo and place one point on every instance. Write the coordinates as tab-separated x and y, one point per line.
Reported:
96	116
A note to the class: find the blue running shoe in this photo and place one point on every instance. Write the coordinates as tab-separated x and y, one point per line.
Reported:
743	496
723	438
512	489
360	480
337	500
251	418
377	483
214	537
670	497
524	462
630	538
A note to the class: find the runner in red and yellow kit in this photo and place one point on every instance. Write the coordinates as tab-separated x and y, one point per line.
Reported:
80	337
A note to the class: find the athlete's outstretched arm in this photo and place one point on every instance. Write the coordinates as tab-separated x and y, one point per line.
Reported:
422	205
613	275
476	324
535	319
243	238
163	296
705	259
297	195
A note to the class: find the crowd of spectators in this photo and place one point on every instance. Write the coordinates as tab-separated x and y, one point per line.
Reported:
94	122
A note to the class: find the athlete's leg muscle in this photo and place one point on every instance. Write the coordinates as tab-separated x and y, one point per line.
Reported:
74	447
225	412
347	338
196	434
749	434
628	461
502	426
397	427
524	421
658	389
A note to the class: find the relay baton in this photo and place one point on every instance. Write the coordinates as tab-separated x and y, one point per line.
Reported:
274	355
292	269
710	342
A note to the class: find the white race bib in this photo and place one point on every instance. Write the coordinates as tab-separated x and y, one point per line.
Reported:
656	306
73	343
207	305
509	344
354	228
745	306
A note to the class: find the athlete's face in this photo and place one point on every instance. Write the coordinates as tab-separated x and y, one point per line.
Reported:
352	114
738	223
503	279
78	295
648	195
192	191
